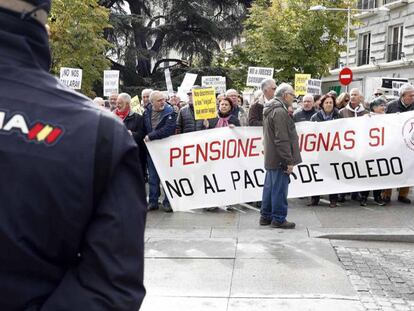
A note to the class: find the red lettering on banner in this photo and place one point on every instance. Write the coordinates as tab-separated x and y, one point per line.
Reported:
253	146
377	136
174	156
350	140
187	155
330	141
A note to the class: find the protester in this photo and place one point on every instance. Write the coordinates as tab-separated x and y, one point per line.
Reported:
159	121
134	123
73	207
145	94
175	102
317	101
307	111
377	106
186	121
238	111
342	101
225	117
404	103
326	113
378	92
99	101
281	153
112	101
268	88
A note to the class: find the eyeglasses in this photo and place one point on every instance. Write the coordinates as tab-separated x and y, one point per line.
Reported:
377	94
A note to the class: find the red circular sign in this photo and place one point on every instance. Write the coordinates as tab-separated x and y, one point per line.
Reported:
345	76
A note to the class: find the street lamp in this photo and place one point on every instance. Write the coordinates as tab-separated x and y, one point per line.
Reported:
348	28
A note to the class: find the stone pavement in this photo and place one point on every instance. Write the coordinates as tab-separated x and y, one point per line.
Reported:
224	261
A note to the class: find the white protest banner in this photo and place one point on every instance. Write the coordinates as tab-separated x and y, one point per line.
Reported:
396	88
314	87
71	77
218	82
168	81
111	82
188	81
225	166
256	75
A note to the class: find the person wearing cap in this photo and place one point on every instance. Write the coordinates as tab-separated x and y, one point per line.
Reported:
403	104
72	211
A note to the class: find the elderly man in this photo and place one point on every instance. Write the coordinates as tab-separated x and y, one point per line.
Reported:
159	120
307	111
238	111
145	94
403	104
281	153
134	122
72	197
99	101
112	101
355	107
268	87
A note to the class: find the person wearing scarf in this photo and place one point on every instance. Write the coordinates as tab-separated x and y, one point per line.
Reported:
328	112
225	115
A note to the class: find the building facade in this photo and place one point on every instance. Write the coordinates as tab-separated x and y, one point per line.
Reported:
382	48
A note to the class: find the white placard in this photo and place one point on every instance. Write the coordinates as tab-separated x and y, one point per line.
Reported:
111	82
256	75
188	82
218	82
71	77
314	87
168	81
225	166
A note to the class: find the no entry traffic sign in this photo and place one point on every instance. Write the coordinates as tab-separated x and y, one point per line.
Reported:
345	76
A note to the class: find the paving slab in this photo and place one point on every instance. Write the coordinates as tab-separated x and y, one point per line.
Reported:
315	270
195	232
184	304
188	277
268	233
292	304
190	248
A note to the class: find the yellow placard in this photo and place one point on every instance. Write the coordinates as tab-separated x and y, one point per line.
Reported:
204	100
136	105
300	83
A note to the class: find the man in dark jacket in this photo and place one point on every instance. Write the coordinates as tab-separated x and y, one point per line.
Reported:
268	87
307	111
159	121
403	104
186	121
135	126
72	198
281	153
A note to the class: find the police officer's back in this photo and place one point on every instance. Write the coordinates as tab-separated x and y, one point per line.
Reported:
72	200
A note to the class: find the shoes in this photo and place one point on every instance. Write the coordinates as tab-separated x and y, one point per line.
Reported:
167	208
284	225
380	202
264	221
356	197
363	202
332	204
152	207
404	200
386	200
341	199
313	202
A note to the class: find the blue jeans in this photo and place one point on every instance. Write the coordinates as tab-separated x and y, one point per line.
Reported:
275	191
154	184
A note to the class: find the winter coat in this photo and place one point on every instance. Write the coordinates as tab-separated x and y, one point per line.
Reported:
186	121
135	123
280	139
318	117
349	112
397	106
303	115
232	120
256	113
166	126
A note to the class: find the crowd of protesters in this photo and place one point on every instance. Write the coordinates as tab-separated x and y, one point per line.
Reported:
159	116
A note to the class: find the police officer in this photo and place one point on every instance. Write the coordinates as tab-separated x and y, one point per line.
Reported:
72	199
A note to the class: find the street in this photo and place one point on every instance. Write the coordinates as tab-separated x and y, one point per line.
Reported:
336	258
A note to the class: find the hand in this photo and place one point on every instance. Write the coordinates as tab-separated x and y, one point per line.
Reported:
130	133
289	169
231	126
146	139
206	124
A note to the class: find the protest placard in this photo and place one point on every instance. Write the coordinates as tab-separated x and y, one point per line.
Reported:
218	82
300	83
255	75
314	87
226	166
71	77
168	81
111	82
205	106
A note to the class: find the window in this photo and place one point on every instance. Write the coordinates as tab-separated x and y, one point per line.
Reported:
364	49
394	49
389	1
367	4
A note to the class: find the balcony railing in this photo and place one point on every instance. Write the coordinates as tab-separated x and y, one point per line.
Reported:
367	4
363	57
394	52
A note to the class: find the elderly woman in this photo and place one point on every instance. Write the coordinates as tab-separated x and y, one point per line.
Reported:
225	115
342	100
326	113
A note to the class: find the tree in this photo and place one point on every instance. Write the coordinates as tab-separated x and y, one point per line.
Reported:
192	28
77	28
285	35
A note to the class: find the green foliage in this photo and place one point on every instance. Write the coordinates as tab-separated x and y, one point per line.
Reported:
77	39
285	35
